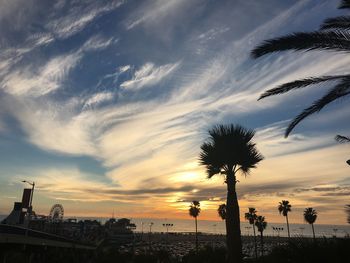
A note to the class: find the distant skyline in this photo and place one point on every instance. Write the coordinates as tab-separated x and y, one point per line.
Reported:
104	104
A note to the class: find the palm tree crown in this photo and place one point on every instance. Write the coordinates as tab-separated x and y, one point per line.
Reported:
310	215
260	223
194	208
333	35
222	211
251	215
284	207
229	149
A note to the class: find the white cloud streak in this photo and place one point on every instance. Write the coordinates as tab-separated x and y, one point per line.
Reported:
148	75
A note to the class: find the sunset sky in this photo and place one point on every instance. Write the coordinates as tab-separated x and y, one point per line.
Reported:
104	104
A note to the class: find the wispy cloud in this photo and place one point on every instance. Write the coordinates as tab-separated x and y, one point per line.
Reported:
40	81
78	17
148	75
154	10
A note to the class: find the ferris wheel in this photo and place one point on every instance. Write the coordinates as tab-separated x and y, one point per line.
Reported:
56	213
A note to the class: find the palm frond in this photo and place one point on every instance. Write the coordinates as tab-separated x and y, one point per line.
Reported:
340	22
339	91
321	40
344	4
341	138
297	84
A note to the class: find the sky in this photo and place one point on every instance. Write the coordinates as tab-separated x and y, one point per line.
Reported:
104	105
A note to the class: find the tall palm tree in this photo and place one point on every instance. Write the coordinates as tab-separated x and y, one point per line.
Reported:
251	217
194	212
261	225
333	35
284	207
310	216
230	150
222	211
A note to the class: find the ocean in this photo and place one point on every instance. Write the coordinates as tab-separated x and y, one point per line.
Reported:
218	227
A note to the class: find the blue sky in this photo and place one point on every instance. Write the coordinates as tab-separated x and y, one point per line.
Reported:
104	104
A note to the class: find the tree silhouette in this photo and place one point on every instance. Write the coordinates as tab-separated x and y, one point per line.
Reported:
333	35
347	210
194	212
222	211
310	216
261	225
230	150
251	217
283	208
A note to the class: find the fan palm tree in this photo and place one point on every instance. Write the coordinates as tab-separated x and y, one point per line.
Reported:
222	211
251	217
230	150
333	35
261	225
283	208
310	216
194	212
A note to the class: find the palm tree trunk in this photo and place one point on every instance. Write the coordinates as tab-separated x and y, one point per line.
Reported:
262	243
255	243
233	229
313	232
288	226
196	235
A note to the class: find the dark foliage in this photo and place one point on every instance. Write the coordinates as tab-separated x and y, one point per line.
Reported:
206	255
306	251
334	36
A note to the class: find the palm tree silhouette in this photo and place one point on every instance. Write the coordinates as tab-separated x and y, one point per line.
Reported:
261	225
310	216
222	211
333	35
194	212
251	217
284	207
228	151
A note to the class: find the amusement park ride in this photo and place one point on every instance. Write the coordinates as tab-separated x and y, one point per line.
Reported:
23	212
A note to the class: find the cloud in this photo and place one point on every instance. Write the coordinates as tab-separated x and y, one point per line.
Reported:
78	17
97	99
152	11
98	42
40	81
148	75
